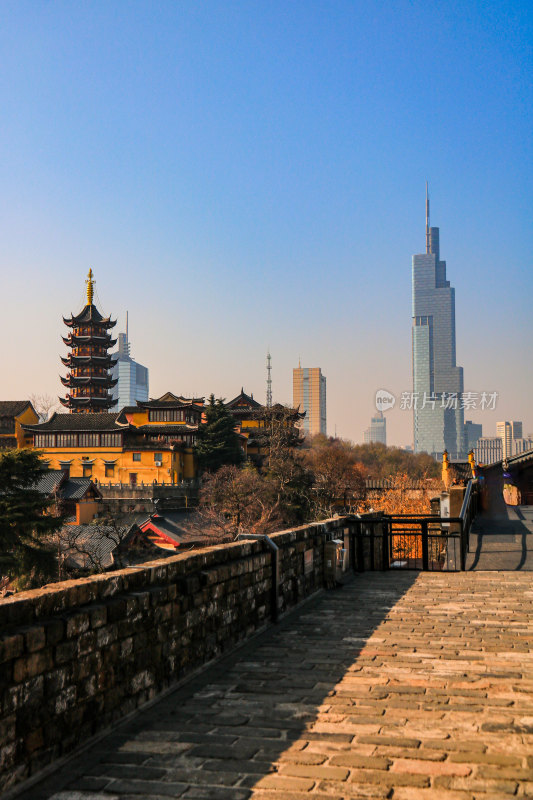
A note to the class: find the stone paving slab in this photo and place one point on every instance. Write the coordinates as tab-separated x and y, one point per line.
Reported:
502	540
411	686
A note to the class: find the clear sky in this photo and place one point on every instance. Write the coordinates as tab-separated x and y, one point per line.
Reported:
245	175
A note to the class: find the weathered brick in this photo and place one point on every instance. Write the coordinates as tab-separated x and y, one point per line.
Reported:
322	772
11	646
98	616
35	639
76	624
364	762
412	765
31	665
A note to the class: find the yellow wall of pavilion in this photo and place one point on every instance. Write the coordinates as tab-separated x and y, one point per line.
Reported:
28	417
175	465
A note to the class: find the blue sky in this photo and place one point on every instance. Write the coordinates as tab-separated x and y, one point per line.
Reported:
249	174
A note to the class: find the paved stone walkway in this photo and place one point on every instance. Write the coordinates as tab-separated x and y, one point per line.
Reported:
502	539
398	685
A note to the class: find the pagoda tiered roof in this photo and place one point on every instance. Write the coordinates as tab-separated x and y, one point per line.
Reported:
72	381
102	339
89	381
89	314
85	404
72	360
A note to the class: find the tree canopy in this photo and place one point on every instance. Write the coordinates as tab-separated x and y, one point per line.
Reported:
217	443
26	553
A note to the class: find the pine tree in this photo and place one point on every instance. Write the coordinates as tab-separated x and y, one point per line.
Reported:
26	553
217	442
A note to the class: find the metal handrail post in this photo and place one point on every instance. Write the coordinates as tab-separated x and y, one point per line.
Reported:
462	543
425	547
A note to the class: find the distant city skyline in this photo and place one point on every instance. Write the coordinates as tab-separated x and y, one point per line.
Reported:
253	179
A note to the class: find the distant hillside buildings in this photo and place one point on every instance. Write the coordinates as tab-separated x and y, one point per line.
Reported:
309	395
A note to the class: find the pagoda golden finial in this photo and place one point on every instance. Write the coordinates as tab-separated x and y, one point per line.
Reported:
90	285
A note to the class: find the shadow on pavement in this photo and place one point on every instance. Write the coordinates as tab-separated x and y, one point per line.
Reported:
223	731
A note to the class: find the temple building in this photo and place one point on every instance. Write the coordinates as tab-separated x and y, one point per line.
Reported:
13	415
89	361
252	418
151	441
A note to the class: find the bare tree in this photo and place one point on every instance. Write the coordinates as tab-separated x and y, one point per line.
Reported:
90	547
45	405
338	479
237	500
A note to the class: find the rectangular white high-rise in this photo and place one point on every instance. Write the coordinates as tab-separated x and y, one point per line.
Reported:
309	395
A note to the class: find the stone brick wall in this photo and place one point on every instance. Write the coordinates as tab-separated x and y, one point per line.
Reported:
77	656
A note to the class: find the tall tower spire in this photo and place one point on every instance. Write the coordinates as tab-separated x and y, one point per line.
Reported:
90	287
269	380
428	236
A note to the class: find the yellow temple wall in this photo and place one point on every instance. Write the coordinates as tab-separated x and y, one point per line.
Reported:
175	465
28	417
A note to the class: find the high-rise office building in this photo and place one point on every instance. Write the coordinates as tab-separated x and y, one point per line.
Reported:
132	378
473	432
377	432
309	394
522	445
437	380
488	449
508	433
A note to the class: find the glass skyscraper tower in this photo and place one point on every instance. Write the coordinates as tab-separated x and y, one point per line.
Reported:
437	380
132	378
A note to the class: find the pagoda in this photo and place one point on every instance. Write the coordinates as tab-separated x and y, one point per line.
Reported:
89	361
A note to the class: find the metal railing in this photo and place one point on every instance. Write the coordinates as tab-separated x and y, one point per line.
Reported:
425	542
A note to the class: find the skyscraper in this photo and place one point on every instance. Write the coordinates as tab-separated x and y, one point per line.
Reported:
508	433
473	432
309	394
437	380
377	432
131	377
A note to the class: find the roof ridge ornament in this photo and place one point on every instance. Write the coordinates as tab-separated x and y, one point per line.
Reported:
90	287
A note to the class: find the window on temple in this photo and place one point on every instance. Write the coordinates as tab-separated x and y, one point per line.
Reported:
136	456
67	439
166	415
89	439
87	470
111	439
109	470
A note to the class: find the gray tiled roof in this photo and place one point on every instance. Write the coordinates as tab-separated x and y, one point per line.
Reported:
50	481
78	422
90	544
75	488
11	408
68	488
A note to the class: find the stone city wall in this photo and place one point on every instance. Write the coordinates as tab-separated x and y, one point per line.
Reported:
77	656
